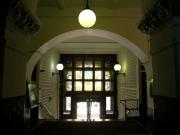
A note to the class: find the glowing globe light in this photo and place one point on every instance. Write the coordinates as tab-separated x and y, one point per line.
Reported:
117	67
59	66
87	18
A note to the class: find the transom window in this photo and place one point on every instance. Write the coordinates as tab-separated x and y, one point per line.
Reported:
87	76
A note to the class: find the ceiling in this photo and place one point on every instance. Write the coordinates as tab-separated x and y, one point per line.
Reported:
111	4
102	8
89	44
105	8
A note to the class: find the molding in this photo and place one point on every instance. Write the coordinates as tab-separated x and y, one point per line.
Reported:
155	17
124	42
16	50
21	17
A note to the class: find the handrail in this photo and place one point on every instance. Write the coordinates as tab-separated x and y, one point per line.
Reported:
46	111
129	106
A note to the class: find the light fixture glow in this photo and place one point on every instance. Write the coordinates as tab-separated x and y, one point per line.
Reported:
87	17
59	66
117	67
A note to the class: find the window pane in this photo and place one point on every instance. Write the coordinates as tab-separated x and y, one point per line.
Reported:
109	105
109	63
97	64
68	103
107	75
108	86
68	86
88	75
88	64
98	74
78	86
78	63
98	86
78	74
68	75
88	86
68	63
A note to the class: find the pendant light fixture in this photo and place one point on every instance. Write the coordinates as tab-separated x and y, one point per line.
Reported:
87	17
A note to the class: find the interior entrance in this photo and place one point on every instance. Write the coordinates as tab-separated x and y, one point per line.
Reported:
89	90
88	110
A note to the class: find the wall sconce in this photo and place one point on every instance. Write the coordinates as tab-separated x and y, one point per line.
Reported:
117	68
59	67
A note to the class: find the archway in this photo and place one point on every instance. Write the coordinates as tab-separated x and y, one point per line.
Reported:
83	32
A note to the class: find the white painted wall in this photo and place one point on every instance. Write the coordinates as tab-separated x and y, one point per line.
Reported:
49	84
128	86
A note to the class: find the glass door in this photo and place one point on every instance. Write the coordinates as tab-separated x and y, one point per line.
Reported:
88	110
82	110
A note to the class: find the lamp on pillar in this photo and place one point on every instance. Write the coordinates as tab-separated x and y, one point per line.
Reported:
117	68
87	17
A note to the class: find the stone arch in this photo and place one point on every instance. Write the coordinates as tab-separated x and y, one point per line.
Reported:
83	32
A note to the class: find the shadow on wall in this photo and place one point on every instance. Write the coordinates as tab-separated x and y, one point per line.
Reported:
12	115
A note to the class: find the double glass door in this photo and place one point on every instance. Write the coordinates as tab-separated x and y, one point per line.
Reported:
88	110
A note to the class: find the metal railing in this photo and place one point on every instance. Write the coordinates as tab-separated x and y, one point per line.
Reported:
131	107
44	112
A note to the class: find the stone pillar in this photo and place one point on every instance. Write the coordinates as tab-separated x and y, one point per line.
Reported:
3	15
165	50
162	23
176	30
12	109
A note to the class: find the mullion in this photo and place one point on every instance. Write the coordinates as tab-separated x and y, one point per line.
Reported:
83	70
103	76
93	74
73	76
